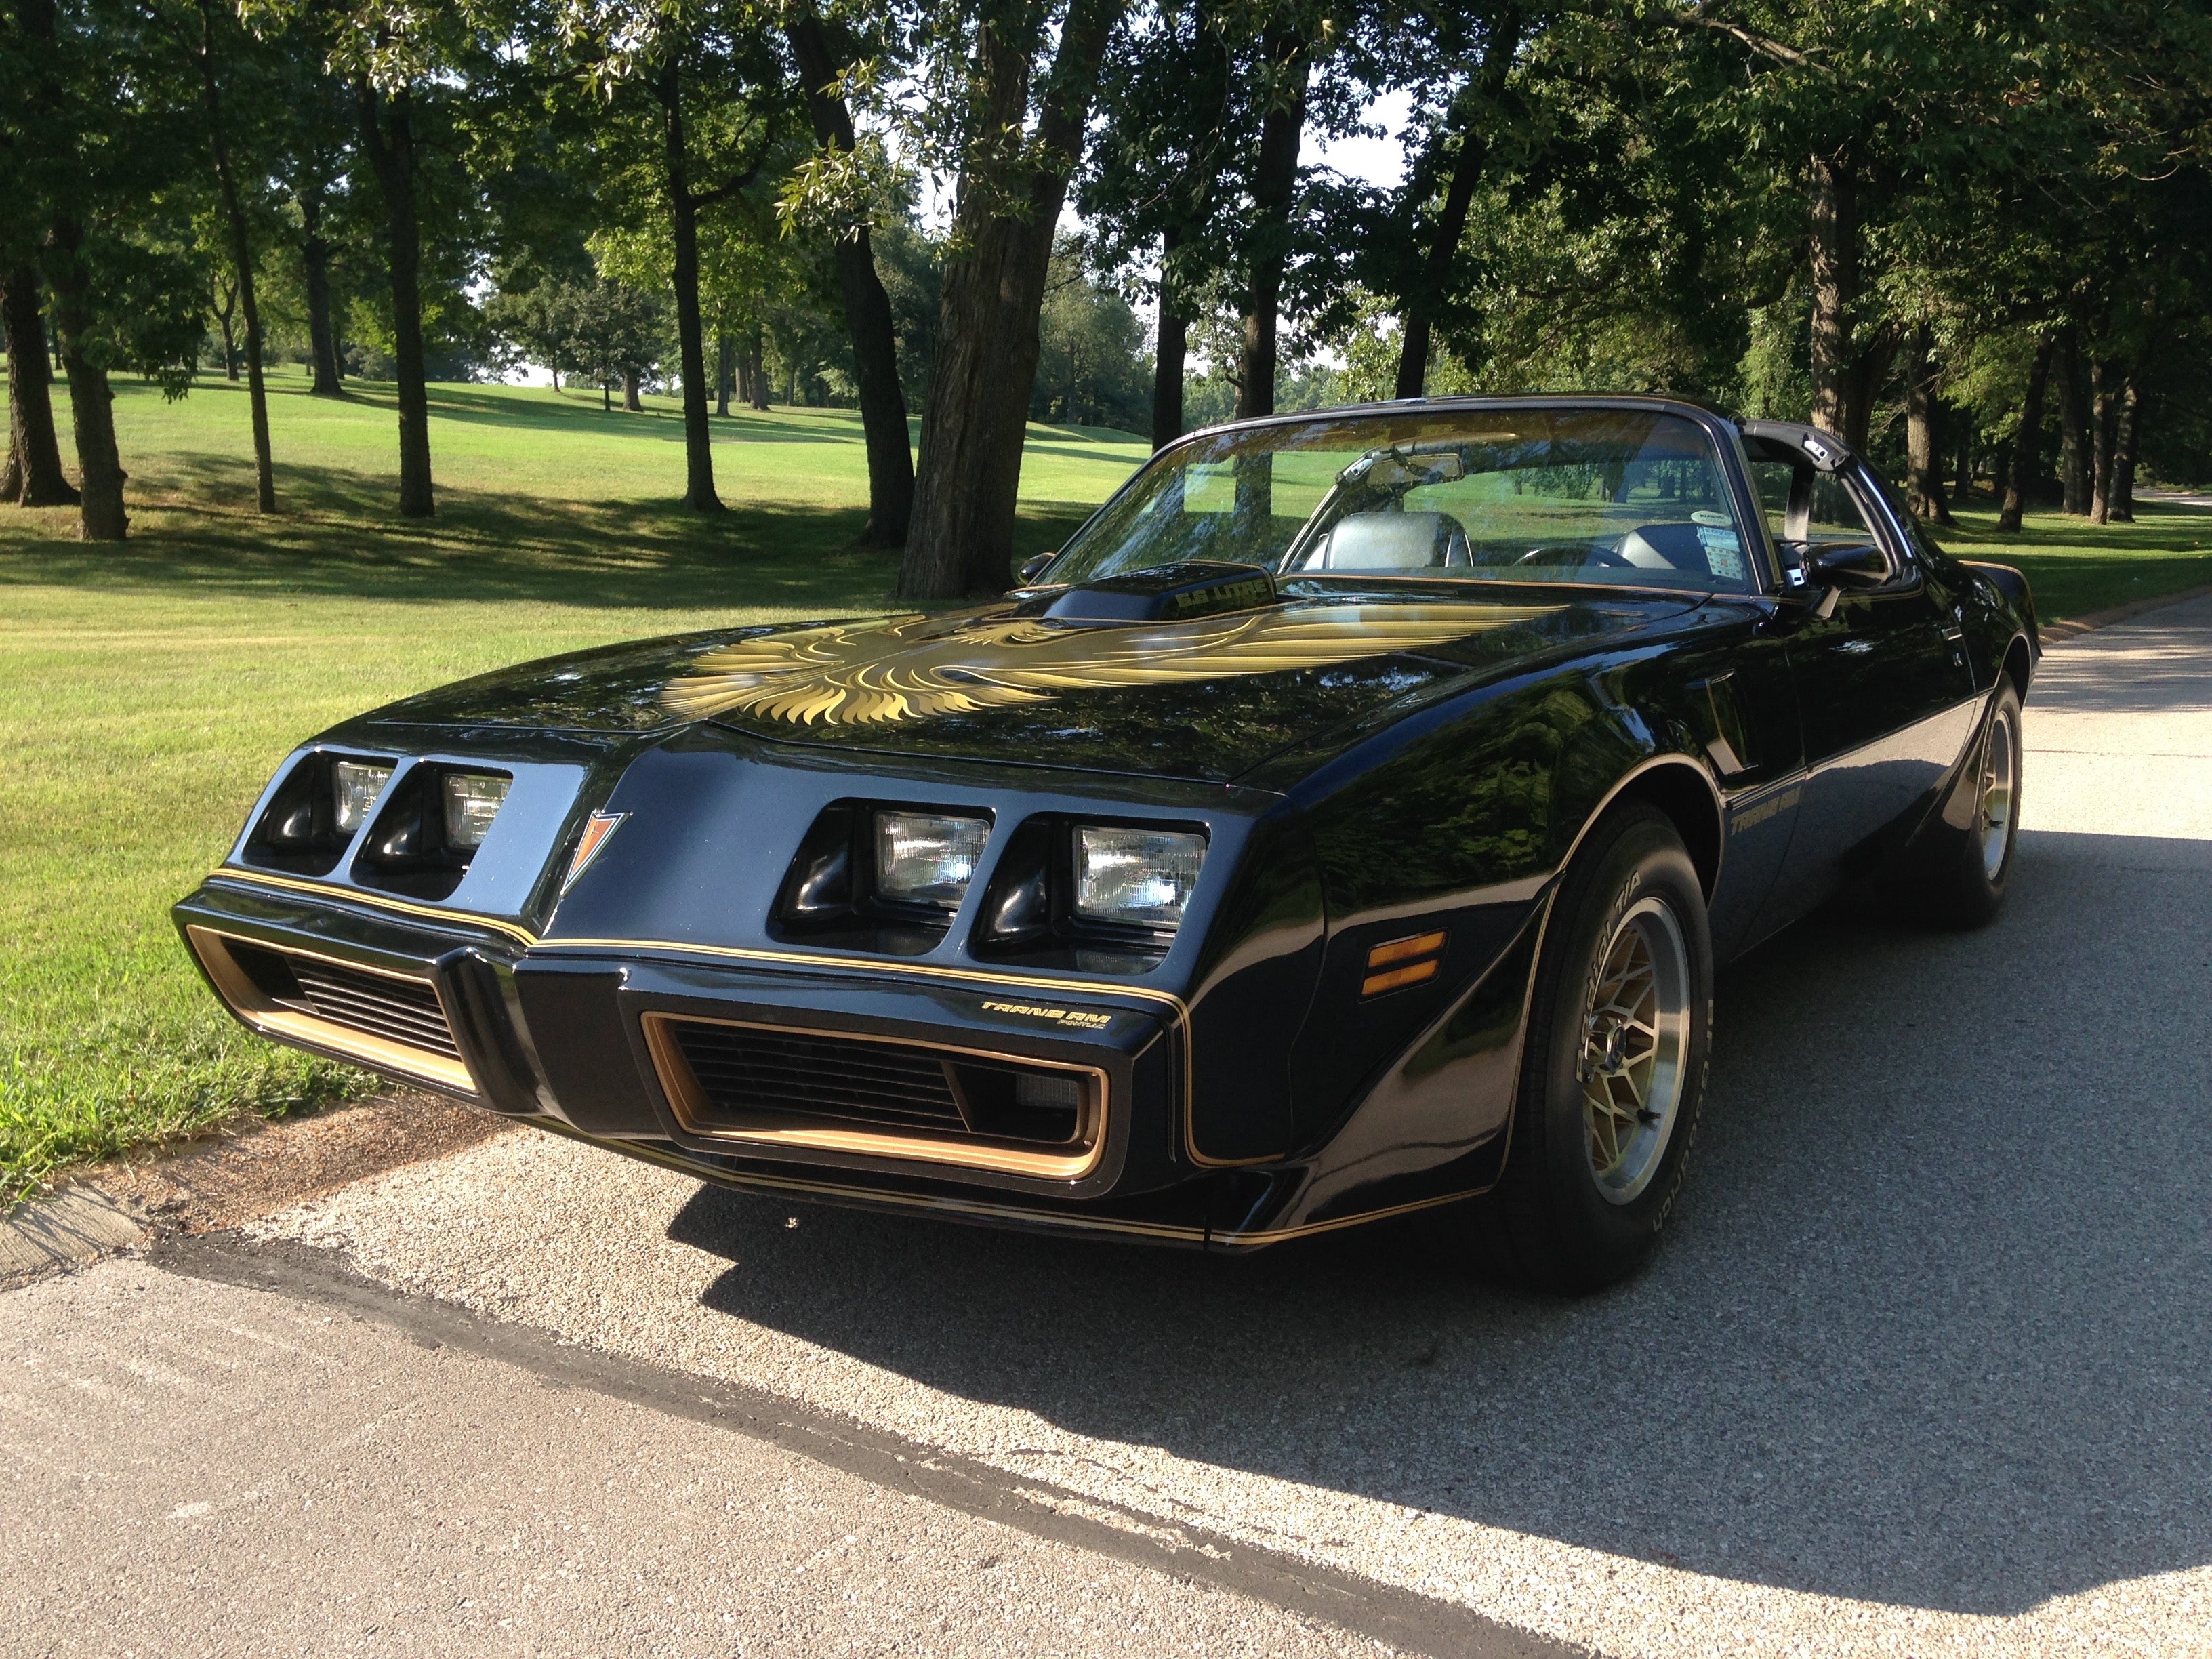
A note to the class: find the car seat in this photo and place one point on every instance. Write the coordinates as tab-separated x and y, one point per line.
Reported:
1391	541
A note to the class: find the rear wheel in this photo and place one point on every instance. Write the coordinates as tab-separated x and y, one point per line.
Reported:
1614	1070
1963	879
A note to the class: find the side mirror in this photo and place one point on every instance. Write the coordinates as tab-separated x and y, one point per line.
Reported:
1030	569
1846	565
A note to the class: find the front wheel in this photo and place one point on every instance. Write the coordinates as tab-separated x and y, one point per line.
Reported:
1614	1072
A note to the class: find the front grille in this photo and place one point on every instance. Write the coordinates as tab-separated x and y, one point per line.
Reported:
820	1089
403	1010
743	1072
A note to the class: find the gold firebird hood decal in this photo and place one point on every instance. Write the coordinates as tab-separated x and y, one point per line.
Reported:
914	667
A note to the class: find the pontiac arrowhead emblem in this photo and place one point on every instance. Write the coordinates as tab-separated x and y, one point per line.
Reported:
596	831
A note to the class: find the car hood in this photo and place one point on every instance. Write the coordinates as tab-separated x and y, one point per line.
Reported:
1207	697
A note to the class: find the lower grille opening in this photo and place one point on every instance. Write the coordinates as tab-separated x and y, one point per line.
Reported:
392	1022
399	1010
751	1082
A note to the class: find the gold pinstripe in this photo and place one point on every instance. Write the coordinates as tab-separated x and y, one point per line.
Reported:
373	901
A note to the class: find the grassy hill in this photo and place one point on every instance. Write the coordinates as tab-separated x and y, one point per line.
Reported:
147	690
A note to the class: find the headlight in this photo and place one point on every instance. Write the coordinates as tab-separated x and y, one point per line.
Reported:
922	858
1139	876
357	785
471	802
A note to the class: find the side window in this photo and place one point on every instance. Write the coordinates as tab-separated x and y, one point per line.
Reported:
1772	480
1835	516
1805	509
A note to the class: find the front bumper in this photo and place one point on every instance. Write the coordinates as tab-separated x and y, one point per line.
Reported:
571	1036
586	1037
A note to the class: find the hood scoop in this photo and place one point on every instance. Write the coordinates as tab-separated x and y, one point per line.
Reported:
1167	593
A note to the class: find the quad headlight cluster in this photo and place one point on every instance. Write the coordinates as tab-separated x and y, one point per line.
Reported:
418	831
879	874
471	800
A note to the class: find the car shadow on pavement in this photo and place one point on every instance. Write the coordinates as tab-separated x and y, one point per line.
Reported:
1929	1328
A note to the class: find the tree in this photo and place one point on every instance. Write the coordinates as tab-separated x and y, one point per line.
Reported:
720	116
217	33
1457	149
990	68
823	57
1288	47
34	476
1091	366
1155	176
33	167
614	335
402	64
100	163
315	152
387	139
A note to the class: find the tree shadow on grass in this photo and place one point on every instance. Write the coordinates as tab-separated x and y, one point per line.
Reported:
193	531
1928	1330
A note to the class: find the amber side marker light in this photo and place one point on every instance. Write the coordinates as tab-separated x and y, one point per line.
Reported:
1427	947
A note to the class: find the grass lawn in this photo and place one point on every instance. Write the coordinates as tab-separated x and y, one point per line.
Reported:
147	691
2075	566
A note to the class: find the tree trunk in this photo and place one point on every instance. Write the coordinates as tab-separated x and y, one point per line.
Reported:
2073	427
224	313
2104	423
31	441
757	363
92	405
1963	486
387	133
241	257
315	254
722	372
1201	181
690	338
1274	188
632	386
1419	307
606	397
1171	351
2026	444
1923	435
868	310
1847	365
2126	444
960	540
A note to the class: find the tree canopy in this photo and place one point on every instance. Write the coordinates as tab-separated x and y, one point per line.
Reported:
1972	238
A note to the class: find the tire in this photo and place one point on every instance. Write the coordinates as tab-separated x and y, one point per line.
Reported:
1585	1193
1963	883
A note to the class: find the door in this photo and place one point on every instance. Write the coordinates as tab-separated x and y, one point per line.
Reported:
1884	691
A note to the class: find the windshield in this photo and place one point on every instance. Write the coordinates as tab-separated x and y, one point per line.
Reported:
1521	495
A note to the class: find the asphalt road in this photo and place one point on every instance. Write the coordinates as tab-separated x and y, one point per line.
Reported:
1923	1366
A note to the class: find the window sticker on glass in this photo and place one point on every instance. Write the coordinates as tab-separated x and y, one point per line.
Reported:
1723	552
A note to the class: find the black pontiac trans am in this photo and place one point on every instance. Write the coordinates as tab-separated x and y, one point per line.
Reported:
1346	822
